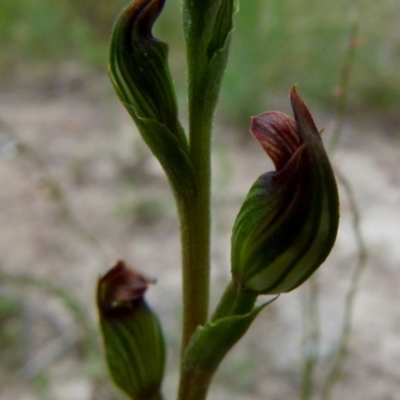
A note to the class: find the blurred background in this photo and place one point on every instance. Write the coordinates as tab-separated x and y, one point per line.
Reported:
79	190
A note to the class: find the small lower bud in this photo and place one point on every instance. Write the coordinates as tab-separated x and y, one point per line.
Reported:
132	336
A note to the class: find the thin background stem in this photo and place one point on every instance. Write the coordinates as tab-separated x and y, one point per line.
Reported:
344	342
311	336
76	310
342	89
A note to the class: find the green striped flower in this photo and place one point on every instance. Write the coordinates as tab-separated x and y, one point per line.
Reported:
133	340
288	223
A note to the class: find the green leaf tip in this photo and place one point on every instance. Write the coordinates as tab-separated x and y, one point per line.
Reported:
141	77
288	222
132	336
210	344
208	26
223	27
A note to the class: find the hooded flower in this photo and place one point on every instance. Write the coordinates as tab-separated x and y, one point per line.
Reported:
289	220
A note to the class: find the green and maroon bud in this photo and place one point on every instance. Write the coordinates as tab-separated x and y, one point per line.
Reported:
140	74
288	222
138	65
132	336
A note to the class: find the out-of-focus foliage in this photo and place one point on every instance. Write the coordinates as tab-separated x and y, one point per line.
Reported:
55	30
10	312
276	43
282	42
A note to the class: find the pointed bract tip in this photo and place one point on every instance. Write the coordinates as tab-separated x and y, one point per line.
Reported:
301	113
295	100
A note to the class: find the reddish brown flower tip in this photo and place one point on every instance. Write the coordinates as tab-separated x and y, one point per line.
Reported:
121	286
145	13
277	134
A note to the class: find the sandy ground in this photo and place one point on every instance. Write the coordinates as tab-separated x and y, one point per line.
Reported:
121	207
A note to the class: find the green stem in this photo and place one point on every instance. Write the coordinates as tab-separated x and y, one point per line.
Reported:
195	237
195	213
235	301
195	382
207	47
194	221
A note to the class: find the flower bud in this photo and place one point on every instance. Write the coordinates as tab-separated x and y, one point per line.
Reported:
141	77
133	340
288	222
138	64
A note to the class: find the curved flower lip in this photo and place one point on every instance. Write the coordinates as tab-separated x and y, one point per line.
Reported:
289	220
122	286
277	134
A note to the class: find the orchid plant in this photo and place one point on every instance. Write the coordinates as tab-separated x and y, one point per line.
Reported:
283	232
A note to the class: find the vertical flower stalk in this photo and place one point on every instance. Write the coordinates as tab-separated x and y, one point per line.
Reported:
208	25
